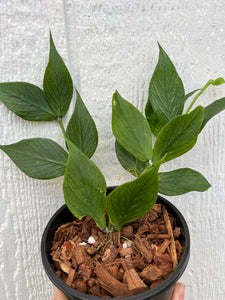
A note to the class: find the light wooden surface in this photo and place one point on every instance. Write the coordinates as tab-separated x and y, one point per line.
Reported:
110	45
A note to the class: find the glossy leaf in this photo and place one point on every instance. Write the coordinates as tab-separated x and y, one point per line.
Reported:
38	157
129	162
58	85
155	124
131	129
26	101
213	109
132	200
178	136
84	187
166	91
182	181
81	129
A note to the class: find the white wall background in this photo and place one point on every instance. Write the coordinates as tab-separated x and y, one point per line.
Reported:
110	45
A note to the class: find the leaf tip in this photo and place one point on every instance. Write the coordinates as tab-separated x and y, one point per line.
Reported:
116	93
52	44
159	45
114	97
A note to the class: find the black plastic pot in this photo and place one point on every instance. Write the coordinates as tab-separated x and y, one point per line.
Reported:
161	292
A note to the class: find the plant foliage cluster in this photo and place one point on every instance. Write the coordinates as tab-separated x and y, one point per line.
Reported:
84	185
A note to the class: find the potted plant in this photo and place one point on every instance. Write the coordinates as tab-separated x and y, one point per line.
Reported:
123	241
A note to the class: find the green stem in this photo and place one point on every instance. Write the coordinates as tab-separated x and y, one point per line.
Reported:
59	120
199	94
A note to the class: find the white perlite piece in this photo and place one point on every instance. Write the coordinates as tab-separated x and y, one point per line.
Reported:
126	245
91	240
83	244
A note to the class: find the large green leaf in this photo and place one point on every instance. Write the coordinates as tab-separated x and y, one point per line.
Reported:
213	109
182	181
26	101
84	187
131	129
178	136
132	200
58	85
154	122
166	91
129	162
38	157
81	129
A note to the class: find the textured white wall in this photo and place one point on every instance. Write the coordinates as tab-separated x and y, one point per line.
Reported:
110	45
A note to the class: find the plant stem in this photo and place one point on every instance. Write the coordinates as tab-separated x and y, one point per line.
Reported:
199	94
59	120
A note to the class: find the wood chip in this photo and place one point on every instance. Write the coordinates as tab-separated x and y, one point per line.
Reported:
126	251
151	273
117	239
164	246
113	270
158	236
157	208
70	277
95	291
177	232
142	248
110	284
67	250
80	286
172	241
154	228
91	282
135	284
160	258
85	271
142	229
178	247
127	263
127	231
64	266
109	255
166	269
80	254
152	215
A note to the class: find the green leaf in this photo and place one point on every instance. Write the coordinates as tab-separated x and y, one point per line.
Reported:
154	122
218	81
38	157
129	162
131	129
81	129
178	136
182	181
84	187
213	109
190	94
58	85
166	91
26	101
132	200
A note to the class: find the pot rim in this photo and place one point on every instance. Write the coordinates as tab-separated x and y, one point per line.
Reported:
166	284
